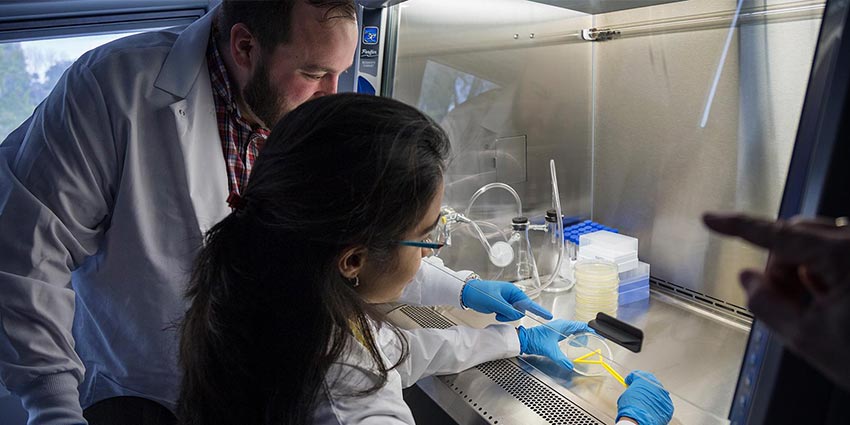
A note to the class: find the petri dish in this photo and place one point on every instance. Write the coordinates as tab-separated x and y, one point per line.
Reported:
611	274
596	269
580	344
596	276
581	289
593	309
601	296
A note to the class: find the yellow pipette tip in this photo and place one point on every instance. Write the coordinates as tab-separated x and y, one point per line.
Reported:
585	359
614	374
579	359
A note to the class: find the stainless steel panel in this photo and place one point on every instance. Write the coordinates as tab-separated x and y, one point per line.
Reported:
485	79
510	159
657	170
620	117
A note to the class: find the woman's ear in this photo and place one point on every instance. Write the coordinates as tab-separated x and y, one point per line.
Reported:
351	261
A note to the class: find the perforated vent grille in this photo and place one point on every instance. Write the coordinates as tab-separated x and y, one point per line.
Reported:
545	402
550	405
426	317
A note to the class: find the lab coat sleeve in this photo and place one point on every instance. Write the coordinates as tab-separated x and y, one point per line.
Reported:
435	284
452	350
56	175
432	351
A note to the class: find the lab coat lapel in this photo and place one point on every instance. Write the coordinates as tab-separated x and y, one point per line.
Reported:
192	120
185	60
194	123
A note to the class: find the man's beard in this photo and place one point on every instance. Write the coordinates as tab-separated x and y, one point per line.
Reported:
261	97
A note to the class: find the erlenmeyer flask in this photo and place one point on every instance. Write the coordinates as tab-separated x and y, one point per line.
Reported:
527	276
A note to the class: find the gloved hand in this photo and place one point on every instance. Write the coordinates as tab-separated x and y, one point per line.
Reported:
503	298
543	341
644	402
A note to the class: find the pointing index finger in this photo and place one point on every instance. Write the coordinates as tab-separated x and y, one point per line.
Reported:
754	230
796	241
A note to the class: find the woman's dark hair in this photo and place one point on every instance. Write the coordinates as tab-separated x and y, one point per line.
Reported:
270	20
270	311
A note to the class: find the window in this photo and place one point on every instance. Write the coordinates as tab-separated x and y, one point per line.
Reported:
30	69
39	40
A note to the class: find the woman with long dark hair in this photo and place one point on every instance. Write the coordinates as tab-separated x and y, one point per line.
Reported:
281	328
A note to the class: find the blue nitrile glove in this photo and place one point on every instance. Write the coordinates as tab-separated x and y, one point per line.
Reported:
543	341
643	401
503	298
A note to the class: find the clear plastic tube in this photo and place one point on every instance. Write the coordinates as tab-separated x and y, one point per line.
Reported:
497	185
499	253
556	199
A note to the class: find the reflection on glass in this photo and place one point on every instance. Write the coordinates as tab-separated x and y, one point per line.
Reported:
444	88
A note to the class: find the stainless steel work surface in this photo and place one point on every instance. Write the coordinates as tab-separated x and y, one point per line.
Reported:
695	353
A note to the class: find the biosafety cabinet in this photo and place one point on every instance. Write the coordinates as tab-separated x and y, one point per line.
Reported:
653	112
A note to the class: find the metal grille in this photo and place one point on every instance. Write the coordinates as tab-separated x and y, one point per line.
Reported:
548	404
427	317
543	400
741	314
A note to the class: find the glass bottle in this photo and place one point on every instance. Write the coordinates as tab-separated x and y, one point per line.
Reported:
552	225
547	253
527	276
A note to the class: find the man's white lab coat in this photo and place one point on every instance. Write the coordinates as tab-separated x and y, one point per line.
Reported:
105	193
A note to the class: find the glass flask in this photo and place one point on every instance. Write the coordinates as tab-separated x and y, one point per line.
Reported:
527	276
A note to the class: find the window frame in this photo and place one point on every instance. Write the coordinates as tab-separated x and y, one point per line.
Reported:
26	21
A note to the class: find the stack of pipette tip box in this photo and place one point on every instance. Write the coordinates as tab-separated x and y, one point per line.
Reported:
589	240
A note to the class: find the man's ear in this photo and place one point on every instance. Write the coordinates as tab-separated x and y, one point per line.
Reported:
244	47
351	261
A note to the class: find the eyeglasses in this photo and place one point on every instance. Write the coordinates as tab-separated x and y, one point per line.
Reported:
425	243
437	240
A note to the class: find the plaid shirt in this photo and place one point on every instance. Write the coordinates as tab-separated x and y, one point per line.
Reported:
240	142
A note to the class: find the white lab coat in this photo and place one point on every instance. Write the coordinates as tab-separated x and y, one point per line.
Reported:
105	193
432	352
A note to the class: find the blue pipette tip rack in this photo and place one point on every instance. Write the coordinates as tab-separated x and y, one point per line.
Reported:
572	233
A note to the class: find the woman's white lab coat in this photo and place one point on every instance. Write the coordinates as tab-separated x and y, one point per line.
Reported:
432	352
105	193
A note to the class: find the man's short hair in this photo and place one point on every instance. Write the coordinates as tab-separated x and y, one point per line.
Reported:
270	20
